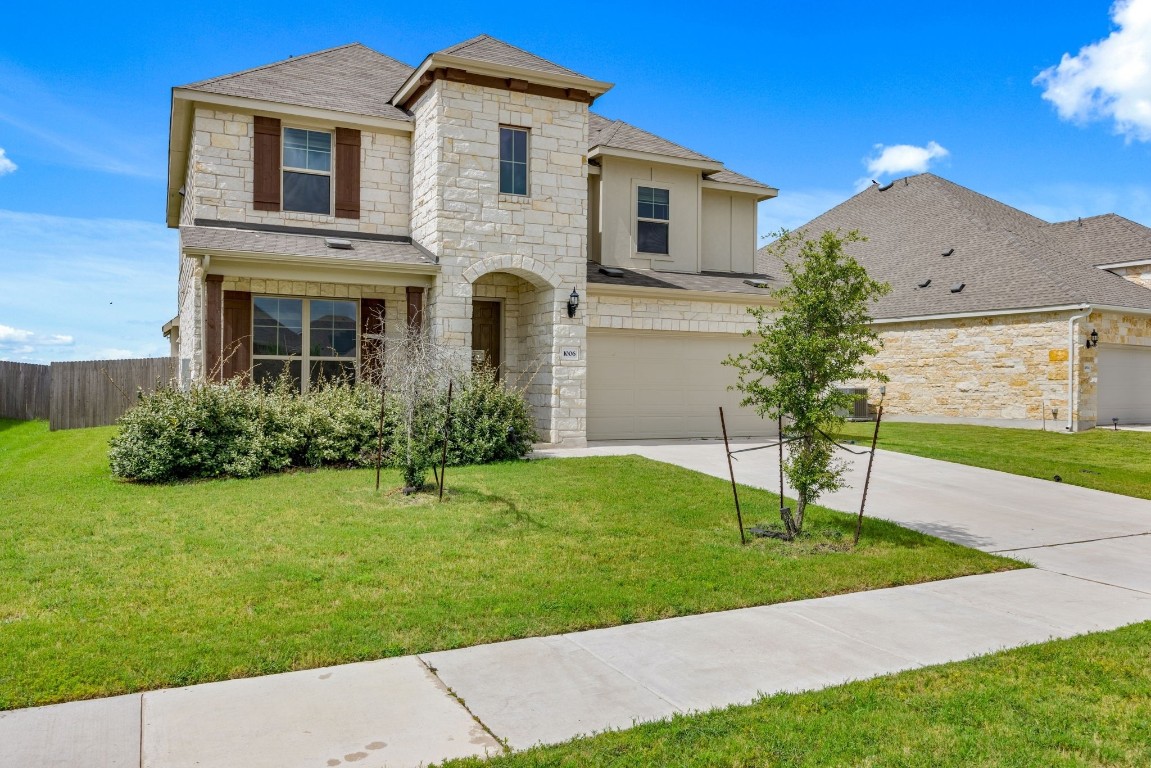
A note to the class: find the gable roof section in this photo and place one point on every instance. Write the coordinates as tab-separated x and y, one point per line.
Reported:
1106	239
488	49
603	132
351	78
1006	259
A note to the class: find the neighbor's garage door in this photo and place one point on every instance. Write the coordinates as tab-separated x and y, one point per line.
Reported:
1124	384
664	385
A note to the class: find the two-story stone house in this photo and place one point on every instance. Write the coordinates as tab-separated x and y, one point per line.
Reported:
332	200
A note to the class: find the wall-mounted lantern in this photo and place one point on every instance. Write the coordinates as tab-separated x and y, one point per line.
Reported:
1093	341
573	303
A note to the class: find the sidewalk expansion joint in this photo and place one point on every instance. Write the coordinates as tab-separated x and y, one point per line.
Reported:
1069	543
459	700
570	637
1093	581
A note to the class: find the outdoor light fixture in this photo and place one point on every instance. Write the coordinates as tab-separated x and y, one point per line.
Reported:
1115	423
573	303
1094	340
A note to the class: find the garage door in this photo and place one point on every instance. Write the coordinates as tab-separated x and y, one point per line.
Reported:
665	385
1124	384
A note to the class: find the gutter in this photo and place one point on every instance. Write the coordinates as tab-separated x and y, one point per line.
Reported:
1072	343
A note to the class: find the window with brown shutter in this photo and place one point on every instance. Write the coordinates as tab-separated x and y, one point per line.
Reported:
237	349
266	164
348	173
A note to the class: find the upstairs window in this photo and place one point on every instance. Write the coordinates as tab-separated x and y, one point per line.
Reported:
653	215
513	161
307	171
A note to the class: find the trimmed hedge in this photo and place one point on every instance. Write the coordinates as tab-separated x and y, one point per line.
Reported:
230	430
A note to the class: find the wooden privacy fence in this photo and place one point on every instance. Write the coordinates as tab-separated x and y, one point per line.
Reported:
89	393
25	389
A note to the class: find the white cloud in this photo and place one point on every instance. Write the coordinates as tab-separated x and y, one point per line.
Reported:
6	164
793	209
903	158
21	344
1108	79
75	289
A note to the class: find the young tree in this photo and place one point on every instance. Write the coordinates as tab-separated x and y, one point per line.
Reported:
817	340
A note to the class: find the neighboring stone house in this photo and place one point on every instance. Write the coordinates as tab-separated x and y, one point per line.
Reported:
991	309
330	200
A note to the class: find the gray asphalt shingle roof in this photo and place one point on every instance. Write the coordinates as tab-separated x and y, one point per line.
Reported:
282	244
616	133
1006	258
356	79
493	51
352	78
721	282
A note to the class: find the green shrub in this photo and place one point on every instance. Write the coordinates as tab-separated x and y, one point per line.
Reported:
230	430
490	421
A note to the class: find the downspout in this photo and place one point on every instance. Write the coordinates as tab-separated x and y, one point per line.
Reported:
1072	344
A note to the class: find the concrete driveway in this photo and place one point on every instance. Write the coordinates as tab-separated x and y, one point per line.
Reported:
1092	551
979	508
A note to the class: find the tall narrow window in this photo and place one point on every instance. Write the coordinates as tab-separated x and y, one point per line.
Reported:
307	171
653	214
513	161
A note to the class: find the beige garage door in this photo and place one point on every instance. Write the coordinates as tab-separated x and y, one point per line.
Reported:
1124	384
664	385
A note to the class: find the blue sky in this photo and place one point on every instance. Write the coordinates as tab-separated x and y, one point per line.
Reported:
1044	105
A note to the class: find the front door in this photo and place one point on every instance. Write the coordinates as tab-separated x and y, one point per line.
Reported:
486	334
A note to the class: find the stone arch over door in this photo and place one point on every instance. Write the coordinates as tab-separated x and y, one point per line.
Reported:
527	293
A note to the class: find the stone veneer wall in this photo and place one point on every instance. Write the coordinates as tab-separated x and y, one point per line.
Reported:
220	182
1138	275
1008	370
459	215
656	313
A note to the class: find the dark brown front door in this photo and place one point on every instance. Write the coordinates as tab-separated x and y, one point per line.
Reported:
486	333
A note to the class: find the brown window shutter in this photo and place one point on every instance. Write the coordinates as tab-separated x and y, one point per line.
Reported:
237	349
348	173
415	308
371	324
266	164
213	332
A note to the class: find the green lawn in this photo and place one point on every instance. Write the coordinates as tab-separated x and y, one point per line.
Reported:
1079	702
108	587
1107	460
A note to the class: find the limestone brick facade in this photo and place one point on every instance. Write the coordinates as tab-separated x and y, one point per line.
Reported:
1007	370
1140	275
459	215
220	178
658	312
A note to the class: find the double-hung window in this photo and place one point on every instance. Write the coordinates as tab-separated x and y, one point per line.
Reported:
307	171
513	161
319	336
652	217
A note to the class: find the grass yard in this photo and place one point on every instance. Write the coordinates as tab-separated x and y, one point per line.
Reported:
1078	702
1103	459
108	587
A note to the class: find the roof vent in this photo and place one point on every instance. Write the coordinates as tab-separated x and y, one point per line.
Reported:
887	186
958	287
611	271
756	283
925	283
948	252
336	242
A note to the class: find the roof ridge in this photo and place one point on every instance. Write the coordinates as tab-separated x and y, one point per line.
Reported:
485	36
951	189
229	76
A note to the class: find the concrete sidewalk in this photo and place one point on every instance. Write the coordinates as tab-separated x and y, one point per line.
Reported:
1093	552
